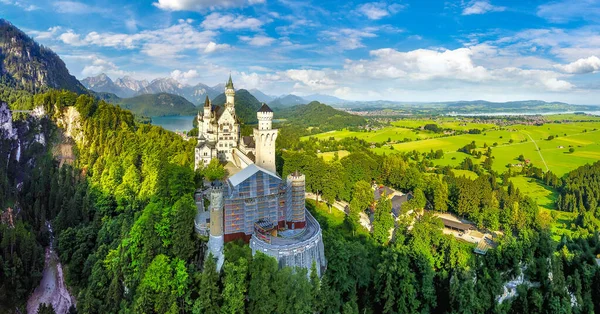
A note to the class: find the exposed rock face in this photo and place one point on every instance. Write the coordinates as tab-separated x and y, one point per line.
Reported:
127	86
130	83
103	83
27	65
70	122
6	126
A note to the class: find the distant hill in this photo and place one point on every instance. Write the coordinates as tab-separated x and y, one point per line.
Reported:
152	105
326	99
262	97
24	64
287	101
108	97
246	105
318	115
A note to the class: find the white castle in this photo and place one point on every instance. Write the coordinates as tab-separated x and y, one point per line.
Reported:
219	135
253	204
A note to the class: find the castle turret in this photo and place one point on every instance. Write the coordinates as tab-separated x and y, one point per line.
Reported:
207	108
264	137
295	216
230	92
215	240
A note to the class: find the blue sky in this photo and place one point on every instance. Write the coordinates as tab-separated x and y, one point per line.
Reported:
396	50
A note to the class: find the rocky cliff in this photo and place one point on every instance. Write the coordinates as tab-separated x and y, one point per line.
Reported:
24	64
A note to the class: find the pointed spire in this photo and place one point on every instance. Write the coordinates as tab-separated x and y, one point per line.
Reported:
207	102
229	83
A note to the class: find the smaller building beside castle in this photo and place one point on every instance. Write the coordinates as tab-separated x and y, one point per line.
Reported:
254	204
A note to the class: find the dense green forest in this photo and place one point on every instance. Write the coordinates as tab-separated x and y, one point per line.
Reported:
319	117
156	105
123	214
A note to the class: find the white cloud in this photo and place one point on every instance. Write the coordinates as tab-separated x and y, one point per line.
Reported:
21	4
378	10
71	38
313	79
565	11
184	77
73	7
212	47
581	66
44	35
202	5
342	92
95	64
481	7
230	22
166	42
258	40
348	38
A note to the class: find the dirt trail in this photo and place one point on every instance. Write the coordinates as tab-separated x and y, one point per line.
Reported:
52	288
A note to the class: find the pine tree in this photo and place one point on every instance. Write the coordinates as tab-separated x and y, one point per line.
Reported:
209	295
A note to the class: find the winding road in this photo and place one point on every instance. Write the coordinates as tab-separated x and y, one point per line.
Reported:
538	150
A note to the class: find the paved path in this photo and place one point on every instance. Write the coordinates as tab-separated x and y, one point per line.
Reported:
538	150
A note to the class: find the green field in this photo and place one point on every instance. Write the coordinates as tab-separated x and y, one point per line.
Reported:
466	173
380	136
454	123
545	198
329	155
333	218
555	153
405	129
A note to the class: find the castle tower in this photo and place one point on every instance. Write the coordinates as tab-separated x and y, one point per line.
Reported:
295	216
264	137
229	92
215	239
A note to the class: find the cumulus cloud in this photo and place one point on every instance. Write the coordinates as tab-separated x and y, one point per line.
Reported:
71	38
420	64
212	47
581	66
313	79
230	22
481	7
47	34
202	5
96	64
258	40
378	10
165	42
184	77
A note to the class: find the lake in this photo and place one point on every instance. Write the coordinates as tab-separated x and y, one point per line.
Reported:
182	123
174	123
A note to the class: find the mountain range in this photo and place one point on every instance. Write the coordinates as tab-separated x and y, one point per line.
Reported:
127	87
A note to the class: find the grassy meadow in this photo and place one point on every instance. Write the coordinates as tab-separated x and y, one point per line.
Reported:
581	136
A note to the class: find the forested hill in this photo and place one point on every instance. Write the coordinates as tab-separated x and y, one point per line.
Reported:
156	105
316	114
246	105
24	64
